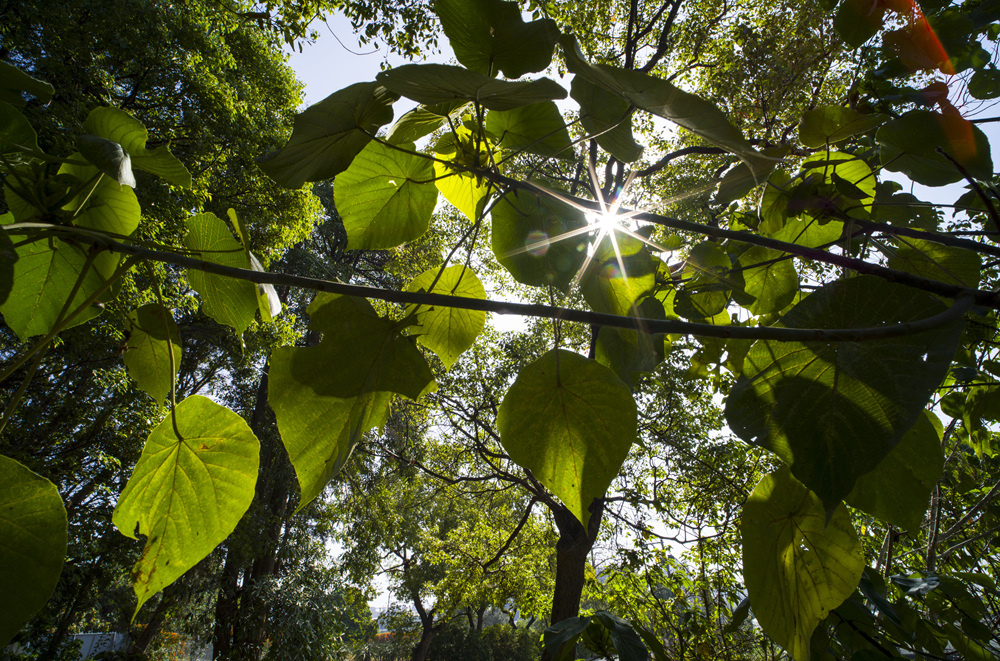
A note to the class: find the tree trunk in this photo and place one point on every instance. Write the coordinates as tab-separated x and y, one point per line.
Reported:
572	548
424	646
149	631
227	606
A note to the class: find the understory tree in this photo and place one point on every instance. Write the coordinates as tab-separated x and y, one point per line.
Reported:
767	253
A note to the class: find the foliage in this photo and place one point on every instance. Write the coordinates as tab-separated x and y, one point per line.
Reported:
840	320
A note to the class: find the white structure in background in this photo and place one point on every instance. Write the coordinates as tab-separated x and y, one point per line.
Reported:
95	643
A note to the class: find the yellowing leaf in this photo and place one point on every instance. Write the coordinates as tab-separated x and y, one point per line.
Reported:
187	492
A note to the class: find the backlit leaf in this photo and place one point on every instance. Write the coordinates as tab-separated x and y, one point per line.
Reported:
120	127
899	489
32	544
421	121
187	493
571	422
797	565
12	78
386	197
833	411
621	273
910	145
659	97
537	129
152	337
447	331
228	300
769	279
328	135
326	396
443	83
608	117
630	353
489	36
937	262
16	133
831	124
533	238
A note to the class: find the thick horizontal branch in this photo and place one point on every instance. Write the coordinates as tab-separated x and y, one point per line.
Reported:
670	326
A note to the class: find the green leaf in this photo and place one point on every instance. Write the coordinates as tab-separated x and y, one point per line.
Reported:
831	124
620	273
607	116
12	78
571	422
447	331
626	641
910	145
772	285
488	35
707	282
118	126
328	135
386	197
857	21
538	129
46	271
227	300
319	432
833	411
985	84
187	492
108	157
659	97
268	302
16	133
630	353
900	487
443	83
466	192
797	564
326	396
937	262
560	639
537	239
152	337
8	256
111	207
32	544
423	120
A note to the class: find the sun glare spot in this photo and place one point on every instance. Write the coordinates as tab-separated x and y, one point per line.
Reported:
537	243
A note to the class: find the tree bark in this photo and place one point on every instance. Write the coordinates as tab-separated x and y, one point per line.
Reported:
574	544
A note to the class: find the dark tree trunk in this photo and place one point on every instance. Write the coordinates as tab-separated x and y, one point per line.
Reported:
152	628
227	606
572	548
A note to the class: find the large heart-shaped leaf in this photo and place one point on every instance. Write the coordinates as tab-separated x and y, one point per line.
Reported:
12	78
797	564
571	422
326	396
910	145
447	331
386	197
608	117
443	83
227	300
538	129
422	120
46	271
620	273
833	411
630	353
32	544
118	126
539	239
934	261
489	36
16	133
328	135
831	124
900	487
187	492
153	349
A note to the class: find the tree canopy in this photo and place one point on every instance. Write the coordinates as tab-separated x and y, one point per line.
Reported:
757	375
